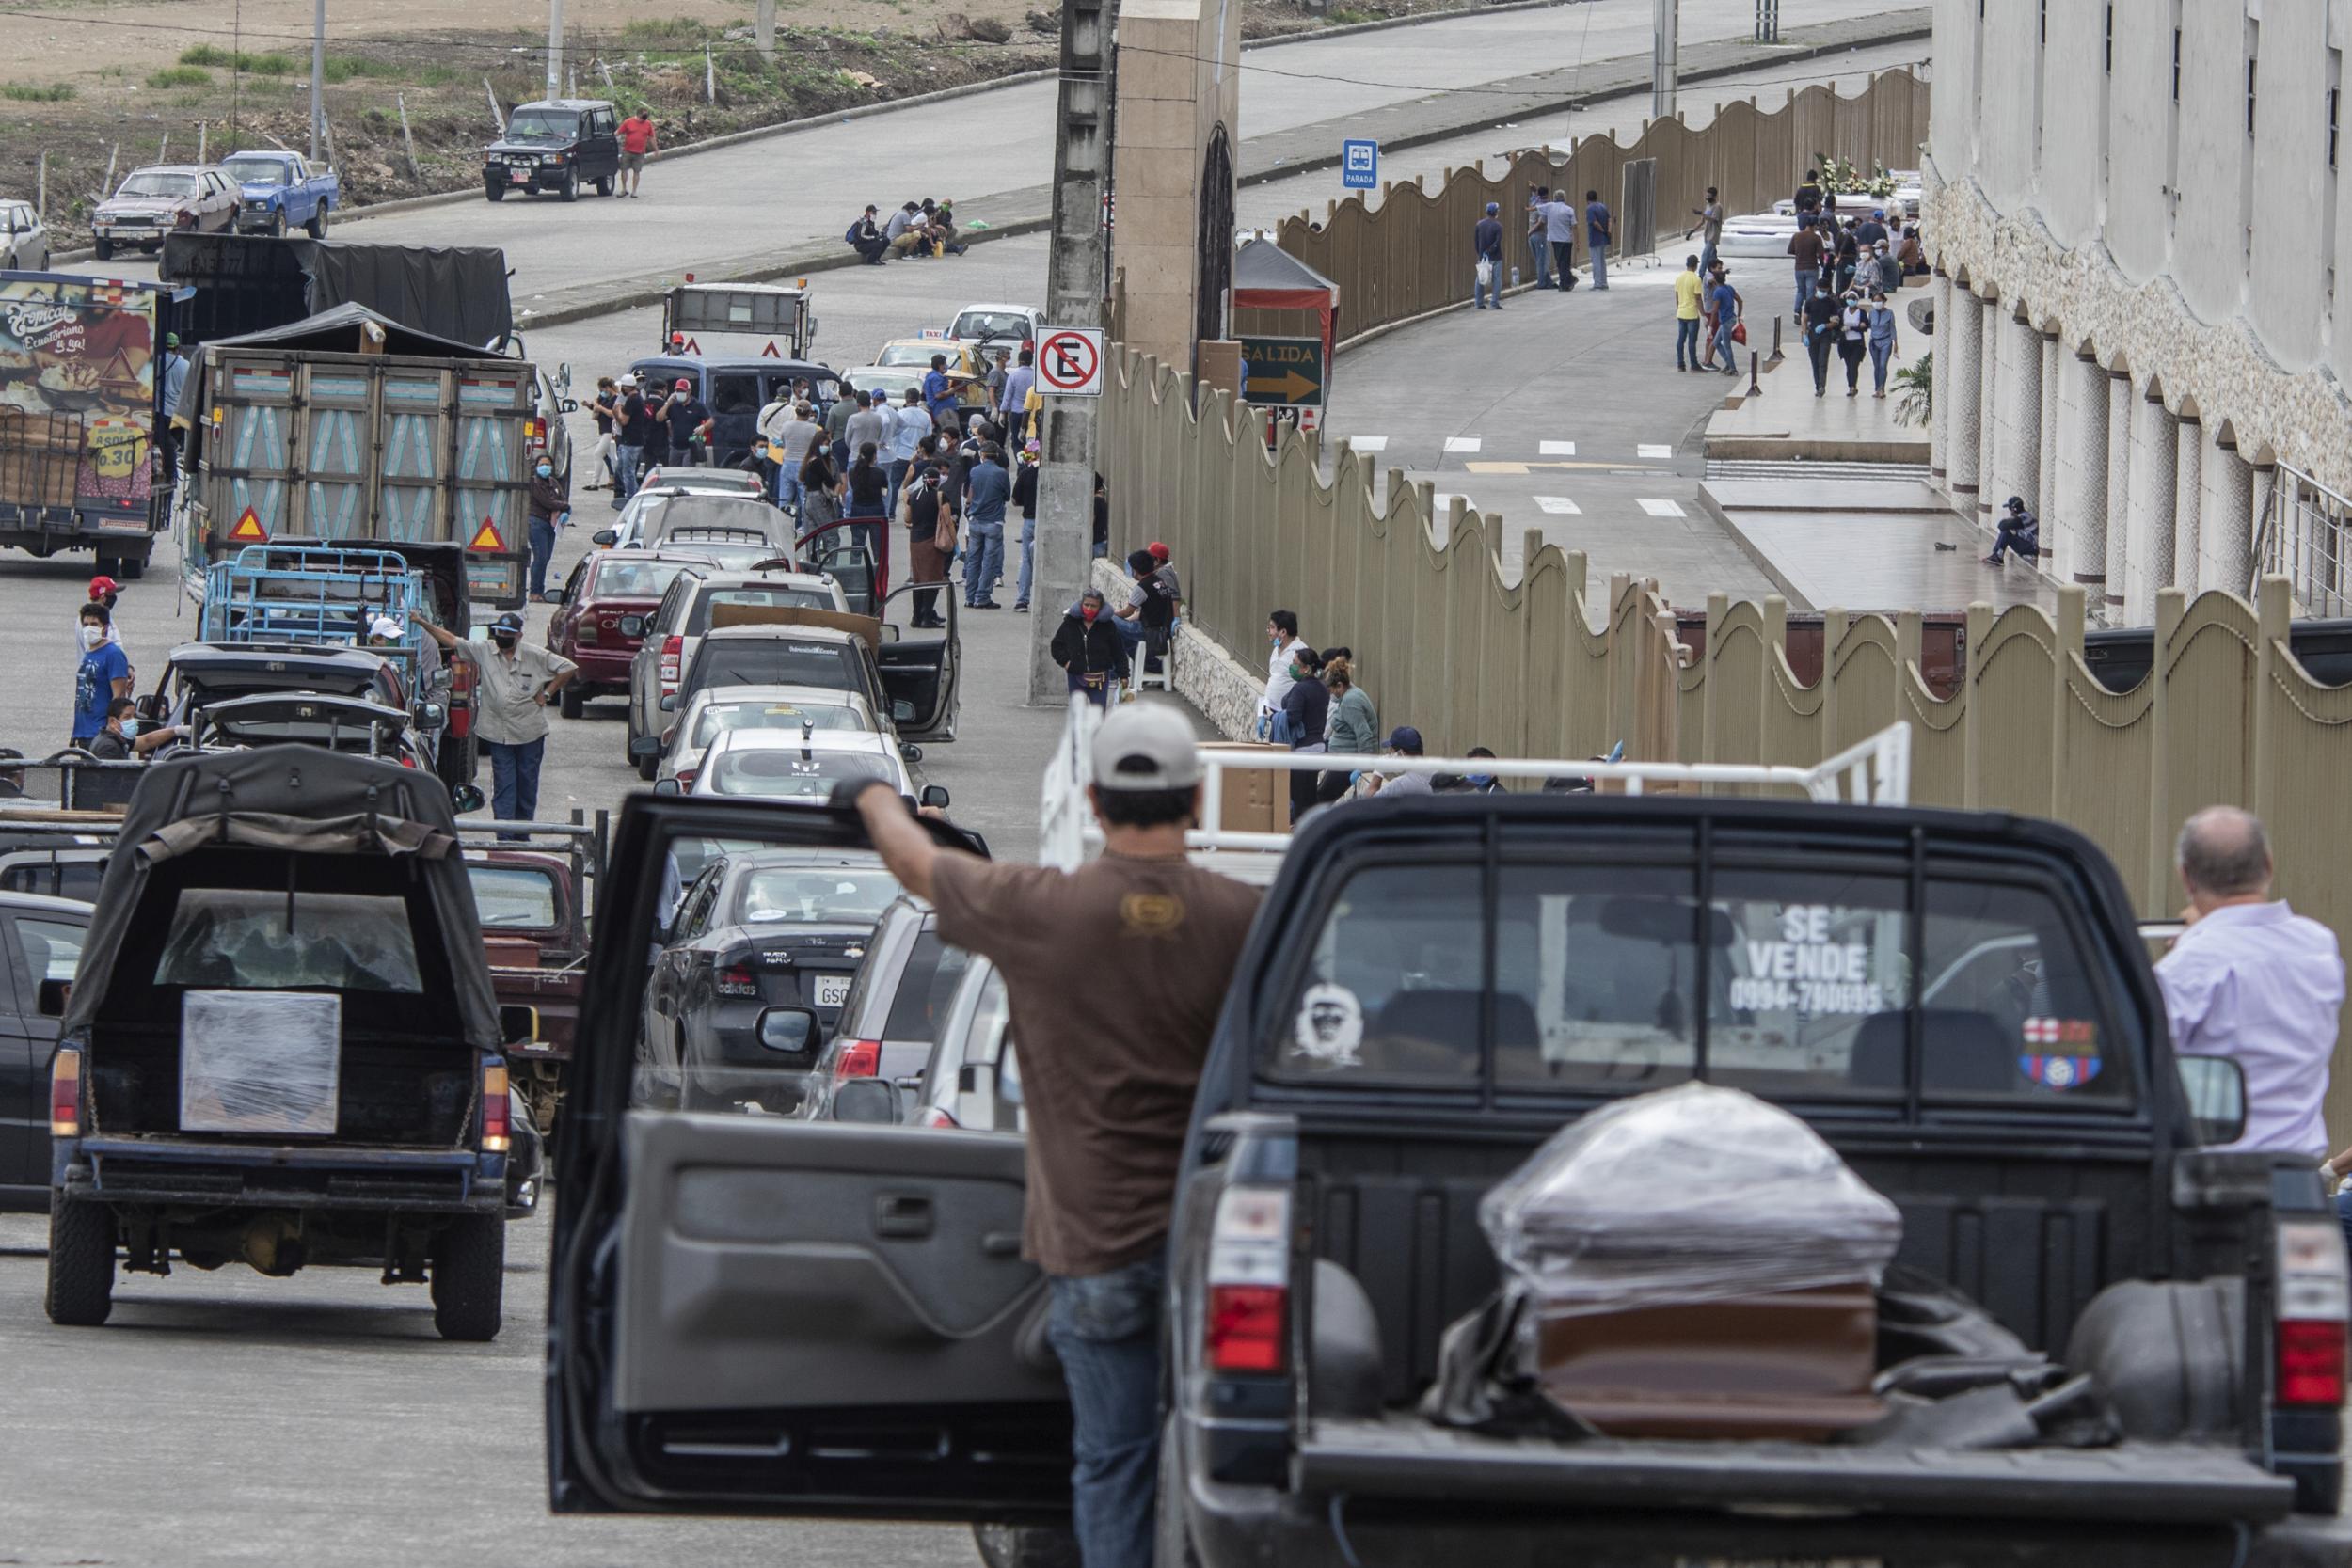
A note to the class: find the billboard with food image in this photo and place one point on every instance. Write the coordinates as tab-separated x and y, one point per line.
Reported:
77	394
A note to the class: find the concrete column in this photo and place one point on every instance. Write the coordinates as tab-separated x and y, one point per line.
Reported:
2075	529
2225	519
1989	386
2148	550
1962	338
2044	500
2118	395
2017	437
1940	398
2188	499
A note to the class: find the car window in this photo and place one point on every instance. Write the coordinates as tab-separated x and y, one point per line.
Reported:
908	354
926	986
2010	1004
1816	981
52	949
1391	990
673	600
974	325
513	896
718	718
1593	980
774	662
814	894
542	125
637	579
257	171
734	394
157	184
693	916
787	773
782	596
336	941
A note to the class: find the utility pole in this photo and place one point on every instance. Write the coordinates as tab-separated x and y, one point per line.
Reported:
1665	64
1082	153
763	29
555	48
1767	20
318	74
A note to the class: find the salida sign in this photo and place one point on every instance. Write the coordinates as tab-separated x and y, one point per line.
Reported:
1283	372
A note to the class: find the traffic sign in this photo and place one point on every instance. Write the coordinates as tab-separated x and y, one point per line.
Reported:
1359	165
1069	362
1283	372
247	530
487	537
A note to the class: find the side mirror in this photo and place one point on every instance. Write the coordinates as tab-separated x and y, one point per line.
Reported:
645	746
429	715
2216	1087
866	1100
569	405
631	625
901	712
606	536
151	706
53	996
518	1023
669	702
466	798
934	794
667	786
789	1029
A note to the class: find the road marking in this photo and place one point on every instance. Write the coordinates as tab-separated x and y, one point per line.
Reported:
1559	506
1661	509
1369	443
1461	443
1440	503
1651	450
1556	448
1499	466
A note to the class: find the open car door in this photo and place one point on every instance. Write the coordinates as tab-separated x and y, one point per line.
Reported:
917	662
760	1314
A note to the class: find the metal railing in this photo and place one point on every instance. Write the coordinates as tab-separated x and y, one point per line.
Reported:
2305	536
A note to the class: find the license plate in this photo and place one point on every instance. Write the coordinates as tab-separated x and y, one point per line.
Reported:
831	990
519	176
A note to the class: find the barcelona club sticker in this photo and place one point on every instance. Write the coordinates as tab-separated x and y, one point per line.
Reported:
2061	1052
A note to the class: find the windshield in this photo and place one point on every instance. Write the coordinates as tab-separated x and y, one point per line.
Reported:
913	353
815	895
337	941
974	325
783	598
733	557
159	185
718	718
892	381
784	775
258	172
542	125
637	579
513	896
773	662
665	514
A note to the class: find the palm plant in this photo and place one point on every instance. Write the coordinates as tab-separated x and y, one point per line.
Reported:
1916	397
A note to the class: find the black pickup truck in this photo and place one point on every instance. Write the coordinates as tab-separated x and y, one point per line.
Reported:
752	1314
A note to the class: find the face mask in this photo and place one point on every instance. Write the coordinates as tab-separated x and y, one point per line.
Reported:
503	639
545	472
1089	612
91	635
1484	781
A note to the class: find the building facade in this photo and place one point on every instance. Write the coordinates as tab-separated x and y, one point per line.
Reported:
2141	328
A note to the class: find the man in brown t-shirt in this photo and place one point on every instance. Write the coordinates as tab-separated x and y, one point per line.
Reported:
1807	245
1108	1104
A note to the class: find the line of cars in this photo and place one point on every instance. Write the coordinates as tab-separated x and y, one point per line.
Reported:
262	191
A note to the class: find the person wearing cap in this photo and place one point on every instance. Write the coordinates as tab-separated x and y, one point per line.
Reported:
1403	741
1486	258
515	684
682	417
2019	530
865	238
1107	1108
632	422
1170	583
103	591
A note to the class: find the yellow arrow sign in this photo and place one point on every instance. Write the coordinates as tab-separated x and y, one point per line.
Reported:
1287	387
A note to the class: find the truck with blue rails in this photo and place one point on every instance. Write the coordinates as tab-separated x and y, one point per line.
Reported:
278	191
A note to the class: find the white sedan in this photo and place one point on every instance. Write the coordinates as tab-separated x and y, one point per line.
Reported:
720	710
783	765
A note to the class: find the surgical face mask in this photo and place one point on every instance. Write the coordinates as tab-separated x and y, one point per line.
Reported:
1484	781
1089	612
503	639
92	635
545	470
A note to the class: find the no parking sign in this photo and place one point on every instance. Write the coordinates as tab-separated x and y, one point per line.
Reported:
1069	362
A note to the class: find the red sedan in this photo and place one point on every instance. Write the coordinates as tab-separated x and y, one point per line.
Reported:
608	590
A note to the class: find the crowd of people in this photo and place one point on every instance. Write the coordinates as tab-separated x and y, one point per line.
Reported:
924	228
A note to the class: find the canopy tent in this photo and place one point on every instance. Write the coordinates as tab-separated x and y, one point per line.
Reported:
1268	277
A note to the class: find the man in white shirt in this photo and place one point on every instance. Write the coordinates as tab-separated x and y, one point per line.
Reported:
791	445
913	422
1559	229
868	424
1281	630
2253	980
774	417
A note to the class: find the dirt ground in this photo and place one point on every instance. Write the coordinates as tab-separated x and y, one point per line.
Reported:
117	84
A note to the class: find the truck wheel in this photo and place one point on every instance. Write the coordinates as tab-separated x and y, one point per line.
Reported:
1025	1545
470	1277
81	1291
102	249
568	701
604	184
277	224
570	191
495	191
317	226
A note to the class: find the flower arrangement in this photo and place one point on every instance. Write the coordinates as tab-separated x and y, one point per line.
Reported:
1849	180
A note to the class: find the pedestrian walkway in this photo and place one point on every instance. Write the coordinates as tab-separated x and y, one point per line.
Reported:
1857	545
1785	420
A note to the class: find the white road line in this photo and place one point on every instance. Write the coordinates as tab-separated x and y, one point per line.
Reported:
1462	443
1557	448
1661	509
1369	443
1440	503
1559	506
1647	449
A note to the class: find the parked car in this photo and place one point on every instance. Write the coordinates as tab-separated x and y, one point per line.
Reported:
558	143
895	1006
350	725
35	858
160	199
917	688
534	931
608	592
670	635
718	481
802	765
995	327
972	1078
41	946
756	928
966	369
201	675
280	191
24	236
719	710
653	514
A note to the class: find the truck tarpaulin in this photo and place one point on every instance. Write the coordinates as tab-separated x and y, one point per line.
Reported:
249	283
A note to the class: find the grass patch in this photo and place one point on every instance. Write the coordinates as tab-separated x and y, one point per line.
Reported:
252	64
181	76
652	32
345	67
36	92
439	76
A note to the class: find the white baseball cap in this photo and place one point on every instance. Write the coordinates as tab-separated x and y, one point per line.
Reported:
384	625
1146	745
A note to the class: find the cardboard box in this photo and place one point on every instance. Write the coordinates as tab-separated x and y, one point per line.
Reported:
1254	800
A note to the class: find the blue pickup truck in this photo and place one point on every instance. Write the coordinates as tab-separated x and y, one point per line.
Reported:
281	192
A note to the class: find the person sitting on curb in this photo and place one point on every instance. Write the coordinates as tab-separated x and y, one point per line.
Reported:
2020	531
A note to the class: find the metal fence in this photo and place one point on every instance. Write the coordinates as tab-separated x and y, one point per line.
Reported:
2305	536
1411	253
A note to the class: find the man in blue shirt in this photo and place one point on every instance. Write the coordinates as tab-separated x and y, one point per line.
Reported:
939	394
986	489
1727	302
1486	240
1597	237
103	674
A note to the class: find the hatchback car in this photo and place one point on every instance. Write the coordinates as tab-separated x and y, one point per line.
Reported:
671	634
607	591
789	709
894	1009
798	764
557	145
26	237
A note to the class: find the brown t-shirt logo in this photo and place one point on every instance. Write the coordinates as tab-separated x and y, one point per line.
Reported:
1151	914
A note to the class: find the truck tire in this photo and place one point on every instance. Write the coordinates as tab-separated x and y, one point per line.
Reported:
102	249
277	224
569	700
495	191
570	191
1025	1545
81	1288
604	184
317	226
470	1277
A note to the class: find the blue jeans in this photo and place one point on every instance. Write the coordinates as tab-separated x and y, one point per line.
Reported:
1542	252
1479	292
1726	349
983	561
894	475
631	462
1687	341
788	489
1879	353
1105	1327
1028	558
1707	258
515	779
1805	280
542	551
1599	251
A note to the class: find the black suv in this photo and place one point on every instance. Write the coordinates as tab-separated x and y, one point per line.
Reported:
558	145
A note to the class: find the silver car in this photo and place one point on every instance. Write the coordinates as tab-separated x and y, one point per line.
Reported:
675	628
26	237
720	709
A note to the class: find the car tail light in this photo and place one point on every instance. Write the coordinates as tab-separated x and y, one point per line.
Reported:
1249	1266
686	779
535	433
460	698
934	1116
496	1127
858	1060
736	981
2314	1300
584	631
673	650
65	1095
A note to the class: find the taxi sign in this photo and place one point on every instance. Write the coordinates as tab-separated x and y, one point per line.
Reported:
486	538
247	530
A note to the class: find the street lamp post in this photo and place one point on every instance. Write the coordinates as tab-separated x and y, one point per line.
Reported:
1665	59
555	48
